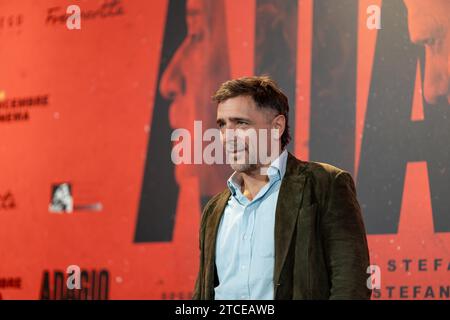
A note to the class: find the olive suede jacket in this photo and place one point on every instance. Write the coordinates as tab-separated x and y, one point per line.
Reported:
321	248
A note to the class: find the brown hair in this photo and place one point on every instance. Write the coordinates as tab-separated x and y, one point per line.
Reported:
264	91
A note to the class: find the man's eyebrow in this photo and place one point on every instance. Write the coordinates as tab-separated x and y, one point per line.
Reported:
233	119
236	119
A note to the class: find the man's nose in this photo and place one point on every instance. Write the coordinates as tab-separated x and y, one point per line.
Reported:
227	133
436	82
173	81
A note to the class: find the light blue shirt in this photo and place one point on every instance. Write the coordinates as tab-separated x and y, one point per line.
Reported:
245	246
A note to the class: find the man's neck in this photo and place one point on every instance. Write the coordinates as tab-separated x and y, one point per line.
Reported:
252	184
254	181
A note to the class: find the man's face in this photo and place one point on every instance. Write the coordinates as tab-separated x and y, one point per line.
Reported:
429	25
198	67
251	130
183	80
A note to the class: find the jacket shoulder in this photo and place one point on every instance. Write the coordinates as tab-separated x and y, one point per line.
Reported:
323	178
323	171
316	170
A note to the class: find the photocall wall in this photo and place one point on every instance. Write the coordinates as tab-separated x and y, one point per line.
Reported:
93	207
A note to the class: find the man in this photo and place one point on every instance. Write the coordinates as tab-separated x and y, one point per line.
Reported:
286	230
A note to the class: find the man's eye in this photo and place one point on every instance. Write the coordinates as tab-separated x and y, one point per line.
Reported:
242	122
197	37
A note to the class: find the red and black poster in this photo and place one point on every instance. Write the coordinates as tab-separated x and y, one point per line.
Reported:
91	91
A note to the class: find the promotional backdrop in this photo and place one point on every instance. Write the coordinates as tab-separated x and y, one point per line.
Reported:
86	117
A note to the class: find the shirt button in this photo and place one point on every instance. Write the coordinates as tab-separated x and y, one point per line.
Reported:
245	237
243	267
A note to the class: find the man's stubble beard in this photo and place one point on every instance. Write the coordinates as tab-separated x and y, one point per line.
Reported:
245	167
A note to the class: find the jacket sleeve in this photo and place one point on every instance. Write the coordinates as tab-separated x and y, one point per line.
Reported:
197	295
345	242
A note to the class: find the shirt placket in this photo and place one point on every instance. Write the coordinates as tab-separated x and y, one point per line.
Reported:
248	221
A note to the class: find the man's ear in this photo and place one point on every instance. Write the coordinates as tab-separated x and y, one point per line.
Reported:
279	122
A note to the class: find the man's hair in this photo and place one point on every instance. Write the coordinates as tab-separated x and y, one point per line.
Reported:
264	91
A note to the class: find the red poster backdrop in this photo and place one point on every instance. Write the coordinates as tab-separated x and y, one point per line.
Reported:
89	112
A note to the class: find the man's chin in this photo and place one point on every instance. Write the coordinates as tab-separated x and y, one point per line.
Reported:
243	167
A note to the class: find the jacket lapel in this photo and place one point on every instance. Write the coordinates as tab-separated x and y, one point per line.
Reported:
287	210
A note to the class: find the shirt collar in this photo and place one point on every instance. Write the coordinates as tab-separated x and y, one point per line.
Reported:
276	170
